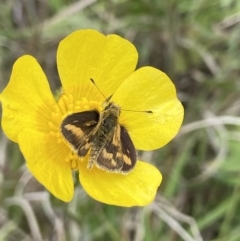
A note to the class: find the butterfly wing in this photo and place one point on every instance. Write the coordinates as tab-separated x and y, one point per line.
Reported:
79	129
128	150
119	154
109	155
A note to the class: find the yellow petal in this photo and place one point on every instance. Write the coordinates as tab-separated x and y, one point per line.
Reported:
45	160
86	54
149	89
138	188
27	91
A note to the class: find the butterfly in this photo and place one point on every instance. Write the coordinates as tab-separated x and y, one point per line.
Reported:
100	134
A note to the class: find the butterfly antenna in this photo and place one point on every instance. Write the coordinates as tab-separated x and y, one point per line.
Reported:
144	111
99	89
108	99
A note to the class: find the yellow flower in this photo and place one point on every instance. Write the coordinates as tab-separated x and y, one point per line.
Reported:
32	116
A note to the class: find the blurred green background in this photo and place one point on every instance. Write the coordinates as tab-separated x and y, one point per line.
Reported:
197	43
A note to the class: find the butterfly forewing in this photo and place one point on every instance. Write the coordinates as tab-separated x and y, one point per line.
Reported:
118	154
128	151
79	130
111	158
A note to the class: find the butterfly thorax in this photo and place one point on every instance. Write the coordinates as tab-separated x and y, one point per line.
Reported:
107	125
108	120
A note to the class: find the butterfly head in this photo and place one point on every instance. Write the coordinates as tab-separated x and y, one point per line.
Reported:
109	108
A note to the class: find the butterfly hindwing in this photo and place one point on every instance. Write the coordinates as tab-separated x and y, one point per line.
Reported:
79	130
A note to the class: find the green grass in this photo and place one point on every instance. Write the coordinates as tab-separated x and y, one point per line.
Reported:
197	44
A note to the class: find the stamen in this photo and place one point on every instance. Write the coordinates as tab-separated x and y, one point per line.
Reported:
74	164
